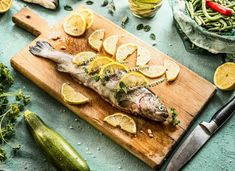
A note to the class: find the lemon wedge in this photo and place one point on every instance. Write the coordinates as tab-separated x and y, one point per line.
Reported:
172	70
75	25
110	44
154	71
97	63
71	96
5	5
143	56
88	15
111	68
83	57
224	77
125	122
133	79
95	40
125	50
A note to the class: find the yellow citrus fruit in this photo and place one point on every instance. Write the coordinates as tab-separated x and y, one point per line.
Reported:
71	96
133	79
112	68
172	70
110	44
125	122
97	63
83	57
125	50
95	40
5	5
224	77
143	56
154	71
75	25
88	15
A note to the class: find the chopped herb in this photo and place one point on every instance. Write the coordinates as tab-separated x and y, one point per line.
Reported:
86	70
111	8
105	3
106	78
174	120
96	77
139	26
89	2
153	36
147	28
11	104
68	8
123	87
124	21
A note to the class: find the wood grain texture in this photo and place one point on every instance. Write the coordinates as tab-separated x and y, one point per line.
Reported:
188	94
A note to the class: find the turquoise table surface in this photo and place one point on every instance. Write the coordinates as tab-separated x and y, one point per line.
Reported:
101	152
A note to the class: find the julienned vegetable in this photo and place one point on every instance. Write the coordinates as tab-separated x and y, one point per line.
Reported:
55	147
219	8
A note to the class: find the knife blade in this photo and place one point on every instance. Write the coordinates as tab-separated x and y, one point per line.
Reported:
199	136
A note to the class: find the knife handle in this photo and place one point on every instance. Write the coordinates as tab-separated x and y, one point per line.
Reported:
224	112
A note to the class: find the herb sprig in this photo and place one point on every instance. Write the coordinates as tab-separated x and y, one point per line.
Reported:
11	104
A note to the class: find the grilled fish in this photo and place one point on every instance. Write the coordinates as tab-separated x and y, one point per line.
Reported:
139	101
50	4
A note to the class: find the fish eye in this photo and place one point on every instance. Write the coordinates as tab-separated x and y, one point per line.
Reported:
161	107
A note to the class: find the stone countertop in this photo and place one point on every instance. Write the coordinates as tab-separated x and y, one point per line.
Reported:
101	152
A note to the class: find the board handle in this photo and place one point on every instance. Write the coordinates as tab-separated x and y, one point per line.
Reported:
30	21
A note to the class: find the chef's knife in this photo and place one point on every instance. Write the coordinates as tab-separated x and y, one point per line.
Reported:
199	136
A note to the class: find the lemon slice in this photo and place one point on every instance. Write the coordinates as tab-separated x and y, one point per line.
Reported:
84	57
111	68
95	40
88	15
143	56
5	5
75	25
154	71
71	96
97	63
125	122
133	79
125	50
172	70
224	77
110	44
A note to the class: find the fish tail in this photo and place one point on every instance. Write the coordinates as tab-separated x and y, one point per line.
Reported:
41	48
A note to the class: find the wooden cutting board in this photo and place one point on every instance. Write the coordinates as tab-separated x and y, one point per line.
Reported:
188	94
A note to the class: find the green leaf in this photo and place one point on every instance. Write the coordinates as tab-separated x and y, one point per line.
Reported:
3	156
139	27
68	8
96	77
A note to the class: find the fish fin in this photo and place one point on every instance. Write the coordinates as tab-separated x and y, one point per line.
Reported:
41	48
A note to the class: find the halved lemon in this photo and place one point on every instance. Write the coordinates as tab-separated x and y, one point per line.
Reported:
110	44
71	96
95	40
172	70
75	25
143	56
97	63
125	122
125	50
5	5
88	15
133	79
112	68
83	57
224	77
154	71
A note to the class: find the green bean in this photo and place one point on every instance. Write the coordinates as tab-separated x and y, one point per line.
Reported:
206	14
197	19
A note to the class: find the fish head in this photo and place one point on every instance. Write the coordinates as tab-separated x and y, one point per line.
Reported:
153	108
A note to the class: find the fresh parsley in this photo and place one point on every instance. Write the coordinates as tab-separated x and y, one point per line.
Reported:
174	121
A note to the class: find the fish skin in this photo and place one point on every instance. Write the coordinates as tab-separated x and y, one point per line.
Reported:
49	4
140	101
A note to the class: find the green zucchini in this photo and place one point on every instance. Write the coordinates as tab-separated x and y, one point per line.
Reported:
57	150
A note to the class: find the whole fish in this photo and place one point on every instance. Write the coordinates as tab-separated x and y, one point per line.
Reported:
139	101
50	4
